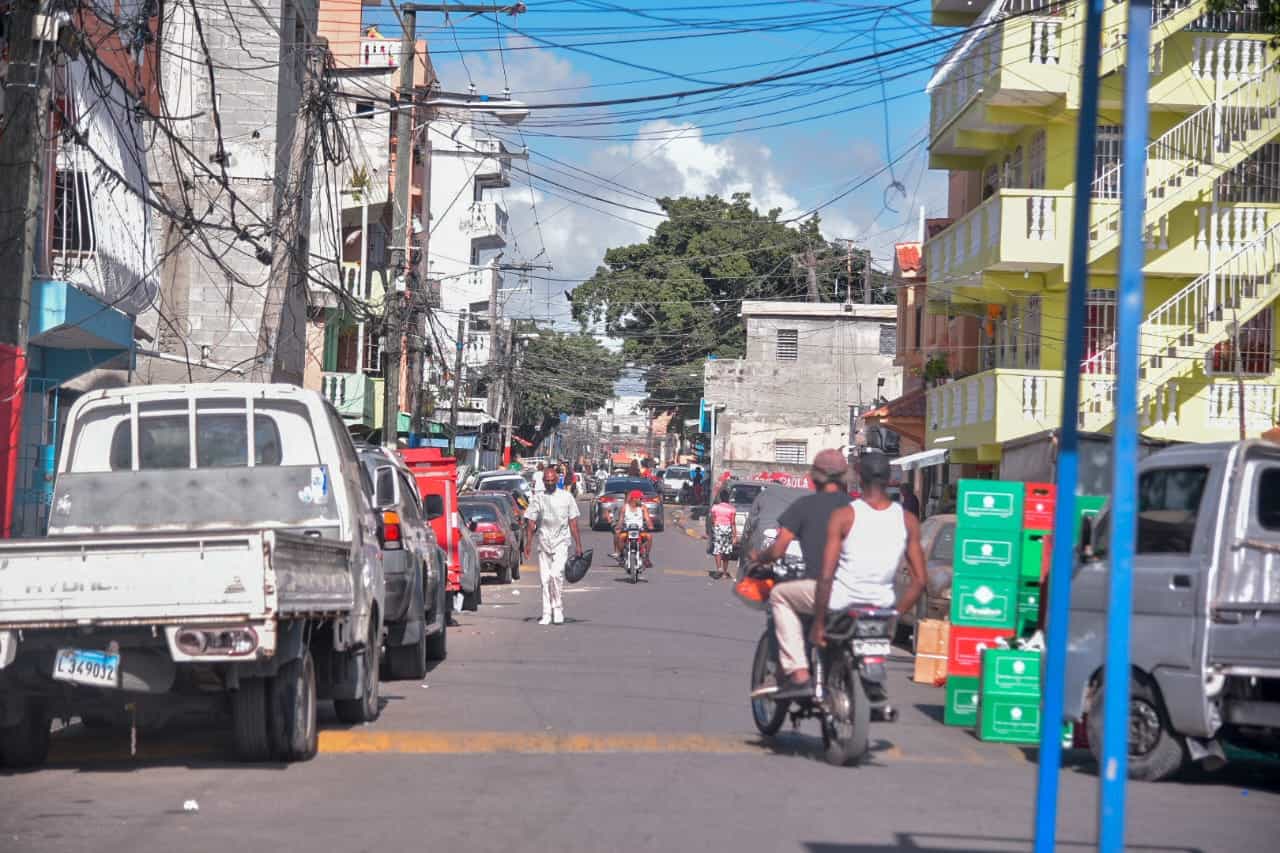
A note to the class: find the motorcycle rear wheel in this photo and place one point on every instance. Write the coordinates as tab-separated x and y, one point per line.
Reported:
847	721
767	714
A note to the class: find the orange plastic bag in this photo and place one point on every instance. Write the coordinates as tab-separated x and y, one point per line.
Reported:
754	592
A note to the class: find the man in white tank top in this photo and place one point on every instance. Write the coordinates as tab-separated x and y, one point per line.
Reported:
865	544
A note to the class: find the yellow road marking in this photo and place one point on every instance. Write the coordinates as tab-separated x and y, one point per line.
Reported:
689	573
526	743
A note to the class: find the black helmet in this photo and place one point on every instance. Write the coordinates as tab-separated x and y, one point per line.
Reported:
576	569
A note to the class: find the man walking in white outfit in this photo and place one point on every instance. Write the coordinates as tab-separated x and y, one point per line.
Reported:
553	516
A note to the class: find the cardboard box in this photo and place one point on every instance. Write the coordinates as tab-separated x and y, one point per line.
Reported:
962	701
989	505
965	646
931	651
991	554
1008	719
1011	672
983	603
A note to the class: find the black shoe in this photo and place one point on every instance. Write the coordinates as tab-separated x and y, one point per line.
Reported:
792	690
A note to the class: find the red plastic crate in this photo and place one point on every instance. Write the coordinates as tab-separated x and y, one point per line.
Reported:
964	648
1037	510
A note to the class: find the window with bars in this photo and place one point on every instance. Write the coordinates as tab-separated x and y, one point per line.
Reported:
888	340
791	452
371	358
1106	162
788	345
72	213
1256	359
1254	181
1099	331
1036	161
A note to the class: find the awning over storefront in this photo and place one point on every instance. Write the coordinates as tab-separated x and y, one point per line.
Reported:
905	416
923	459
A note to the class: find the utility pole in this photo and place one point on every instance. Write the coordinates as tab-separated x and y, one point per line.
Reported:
457	381
26	122
811	267
391	325
1238	366
848	284
866	277
285	299
509	395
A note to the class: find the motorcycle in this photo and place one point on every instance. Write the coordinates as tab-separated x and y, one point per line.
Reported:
632	559
849	678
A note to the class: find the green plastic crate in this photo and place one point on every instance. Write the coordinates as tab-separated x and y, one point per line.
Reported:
1029	596
1008	719
1087	506
1011	672
989	505
1028	621
983	602
1032	553
962	701
990	554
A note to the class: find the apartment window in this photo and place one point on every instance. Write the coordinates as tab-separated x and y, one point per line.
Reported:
1099	331
1030	329
1036	161
1254	181
888	340
919	329
616	430
635	430
791	452
1106	162
371	358
347	357
1013	169
364	108
788	344
1256	336
72	213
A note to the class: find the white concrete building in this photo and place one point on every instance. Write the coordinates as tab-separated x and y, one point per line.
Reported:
809	369
468	226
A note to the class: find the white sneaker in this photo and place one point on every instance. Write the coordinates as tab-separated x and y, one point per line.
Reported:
557	617
545	620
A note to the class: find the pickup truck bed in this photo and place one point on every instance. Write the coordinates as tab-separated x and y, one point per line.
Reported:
139	579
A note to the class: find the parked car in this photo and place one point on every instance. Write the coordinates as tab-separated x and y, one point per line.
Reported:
413	564
505	480
515	504
673	480
613	494
211	546
494	531
742	494
937	539
1205	629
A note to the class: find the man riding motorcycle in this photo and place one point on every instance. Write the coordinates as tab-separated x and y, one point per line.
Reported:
634	514
862	546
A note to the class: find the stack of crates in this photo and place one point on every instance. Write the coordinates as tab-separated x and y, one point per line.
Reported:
1037	526
1009	696
984	586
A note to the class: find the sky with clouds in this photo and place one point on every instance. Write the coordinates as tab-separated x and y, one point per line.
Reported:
848	142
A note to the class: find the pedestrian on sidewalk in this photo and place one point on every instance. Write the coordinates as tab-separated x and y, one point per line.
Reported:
553	518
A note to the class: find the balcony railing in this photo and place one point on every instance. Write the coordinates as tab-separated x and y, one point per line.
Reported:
380	53
1014	225
1248	19
1232	229
1217	58
486	220
352	394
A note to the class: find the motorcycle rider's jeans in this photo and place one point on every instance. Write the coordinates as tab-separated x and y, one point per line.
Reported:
788	601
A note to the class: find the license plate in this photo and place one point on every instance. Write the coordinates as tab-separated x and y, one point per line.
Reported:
92	668
871	648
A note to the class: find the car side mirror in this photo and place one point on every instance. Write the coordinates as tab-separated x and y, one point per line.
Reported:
434	505
384	487
472	525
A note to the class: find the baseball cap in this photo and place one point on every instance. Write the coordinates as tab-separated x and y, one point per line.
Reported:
830	463
635	493
873	467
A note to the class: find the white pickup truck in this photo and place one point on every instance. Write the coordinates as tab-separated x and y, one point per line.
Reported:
210	548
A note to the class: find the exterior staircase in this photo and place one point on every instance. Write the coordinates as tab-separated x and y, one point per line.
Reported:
1167	18
1183	331
1184	161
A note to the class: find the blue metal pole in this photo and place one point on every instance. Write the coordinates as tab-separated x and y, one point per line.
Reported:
1064	515
1124	490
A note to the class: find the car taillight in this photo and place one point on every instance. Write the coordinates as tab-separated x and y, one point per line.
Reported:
389	531
608	500
490	534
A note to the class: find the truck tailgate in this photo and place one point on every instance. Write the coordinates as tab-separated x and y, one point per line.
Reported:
131	579
312	575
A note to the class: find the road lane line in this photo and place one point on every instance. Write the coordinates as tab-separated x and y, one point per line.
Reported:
527	743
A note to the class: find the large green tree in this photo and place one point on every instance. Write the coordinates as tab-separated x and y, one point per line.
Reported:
561	373
676	298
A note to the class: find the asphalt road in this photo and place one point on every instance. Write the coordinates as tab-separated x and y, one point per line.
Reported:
627	728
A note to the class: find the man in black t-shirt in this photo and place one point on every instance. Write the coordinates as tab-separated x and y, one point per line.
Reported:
805	521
